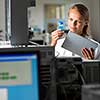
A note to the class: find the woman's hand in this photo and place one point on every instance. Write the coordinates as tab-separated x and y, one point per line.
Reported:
55	36
88	53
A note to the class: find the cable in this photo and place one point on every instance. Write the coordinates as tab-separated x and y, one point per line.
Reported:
34	43
65	72
82	78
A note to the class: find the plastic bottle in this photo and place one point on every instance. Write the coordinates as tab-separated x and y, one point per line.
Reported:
60	25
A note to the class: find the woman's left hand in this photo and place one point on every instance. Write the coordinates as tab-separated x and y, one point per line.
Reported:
88	53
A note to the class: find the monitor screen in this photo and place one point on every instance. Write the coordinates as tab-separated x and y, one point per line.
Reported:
18	23
19	78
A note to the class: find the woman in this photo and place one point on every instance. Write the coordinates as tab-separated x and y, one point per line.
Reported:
78	22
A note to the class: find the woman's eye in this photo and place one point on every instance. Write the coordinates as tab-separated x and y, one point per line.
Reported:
80	22
70	19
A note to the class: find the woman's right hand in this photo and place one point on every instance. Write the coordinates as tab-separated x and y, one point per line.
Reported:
55	36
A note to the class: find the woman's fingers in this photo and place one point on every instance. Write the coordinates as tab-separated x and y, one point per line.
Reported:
91	52
84	54
88	53
57	33
55	36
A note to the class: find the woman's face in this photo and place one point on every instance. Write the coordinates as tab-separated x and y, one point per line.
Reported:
76	22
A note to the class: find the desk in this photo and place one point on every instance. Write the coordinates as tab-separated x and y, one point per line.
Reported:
38	40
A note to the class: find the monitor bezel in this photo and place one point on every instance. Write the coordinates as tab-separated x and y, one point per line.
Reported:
24	50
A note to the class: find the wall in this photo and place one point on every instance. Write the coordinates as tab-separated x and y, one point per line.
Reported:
36	14
95	19
2	15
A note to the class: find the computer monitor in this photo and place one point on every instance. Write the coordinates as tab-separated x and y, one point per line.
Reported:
46	68
31	3
16	21
69	78
91	71
19	77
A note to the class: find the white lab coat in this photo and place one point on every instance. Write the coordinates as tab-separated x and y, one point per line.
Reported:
61	52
